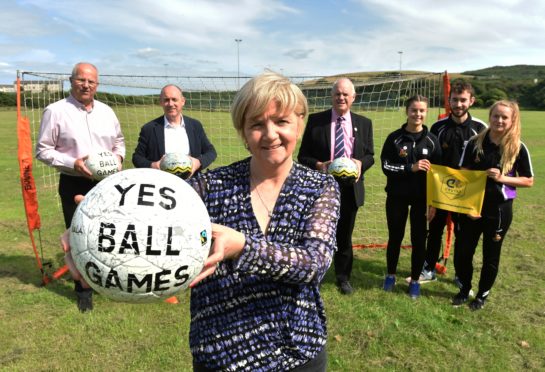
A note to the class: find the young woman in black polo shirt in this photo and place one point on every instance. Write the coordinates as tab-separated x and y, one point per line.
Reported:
500	152
406	156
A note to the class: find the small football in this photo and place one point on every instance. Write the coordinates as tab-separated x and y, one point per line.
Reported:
178	164
101	164
344	170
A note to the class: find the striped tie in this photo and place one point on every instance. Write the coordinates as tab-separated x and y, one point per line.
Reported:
339	138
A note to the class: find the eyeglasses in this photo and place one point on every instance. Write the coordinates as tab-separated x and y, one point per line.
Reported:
81	81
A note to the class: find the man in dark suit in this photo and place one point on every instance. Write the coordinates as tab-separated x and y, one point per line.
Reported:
173	132
319	148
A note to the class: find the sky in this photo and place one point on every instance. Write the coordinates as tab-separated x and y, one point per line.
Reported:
296	38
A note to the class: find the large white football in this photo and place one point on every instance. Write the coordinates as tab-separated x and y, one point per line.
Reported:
177	163
140	235
344	170
102	164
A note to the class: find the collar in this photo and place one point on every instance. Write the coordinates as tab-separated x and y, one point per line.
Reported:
335	116
423	132
167	123
71	99
463	123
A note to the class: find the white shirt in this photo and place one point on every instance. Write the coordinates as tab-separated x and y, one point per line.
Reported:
176	139
69	132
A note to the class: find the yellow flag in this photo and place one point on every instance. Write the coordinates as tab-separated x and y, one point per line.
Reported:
460	191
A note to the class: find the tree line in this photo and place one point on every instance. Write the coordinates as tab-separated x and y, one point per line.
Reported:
528	94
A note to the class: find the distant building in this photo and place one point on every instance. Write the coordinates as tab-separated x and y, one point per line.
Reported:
8	88
35	86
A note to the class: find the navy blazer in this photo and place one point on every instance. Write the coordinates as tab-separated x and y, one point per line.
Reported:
151	143
316	145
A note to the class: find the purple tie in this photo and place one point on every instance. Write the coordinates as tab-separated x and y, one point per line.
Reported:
339	138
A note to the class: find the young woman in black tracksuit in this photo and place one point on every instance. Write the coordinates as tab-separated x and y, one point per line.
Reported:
499	151
406	156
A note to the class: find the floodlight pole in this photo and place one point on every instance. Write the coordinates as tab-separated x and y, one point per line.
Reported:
238	62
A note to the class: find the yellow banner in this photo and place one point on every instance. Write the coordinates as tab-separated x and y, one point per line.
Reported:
460	191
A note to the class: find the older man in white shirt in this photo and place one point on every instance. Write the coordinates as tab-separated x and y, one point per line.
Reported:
70	130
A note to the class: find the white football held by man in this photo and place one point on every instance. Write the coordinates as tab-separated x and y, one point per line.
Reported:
178	164
102	164
344	170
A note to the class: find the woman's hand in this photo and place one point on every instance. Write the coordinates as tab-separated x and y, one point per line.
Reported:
494	173
65	245
322	166
119	163
431	213
65	241
421	165
227	243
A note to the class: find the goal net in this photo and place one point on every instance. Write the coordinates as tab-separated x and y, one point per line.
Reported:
135	99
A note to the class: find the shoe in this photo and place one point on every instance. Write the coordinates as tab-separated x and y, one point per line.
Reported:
459	299
414	290
389	283
477	304
85	301
458	282
345	287
427	276
460	285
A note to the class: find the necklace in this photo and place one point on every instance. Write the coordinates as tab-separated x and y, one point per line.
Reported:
269	212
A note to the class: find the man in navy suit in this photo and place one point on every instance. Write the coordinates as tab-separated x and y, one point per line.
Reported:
173	132
318	148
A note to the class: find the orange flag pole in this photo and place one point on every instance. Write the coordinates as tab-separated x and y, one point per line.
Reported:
442	268
28	186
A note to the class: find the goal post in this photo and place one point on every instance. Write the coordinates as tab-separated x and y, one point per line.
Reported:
135	100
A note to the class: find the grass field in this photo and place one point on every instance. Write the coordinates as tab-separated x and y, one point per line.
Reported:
41	329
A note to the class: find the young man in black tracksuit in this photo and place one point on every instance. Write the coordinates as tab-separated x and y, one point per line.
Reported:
453	133
407	154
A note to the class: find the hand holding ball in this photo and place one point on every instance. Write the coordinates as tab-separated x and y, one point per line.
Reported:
344	170
140	235
102	164
178	164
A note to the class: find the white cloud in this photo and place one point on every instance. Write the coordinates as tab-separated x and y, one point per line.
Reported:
310	38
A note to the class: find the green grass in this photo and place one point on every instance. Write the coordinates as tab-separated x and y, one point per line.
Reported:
41	329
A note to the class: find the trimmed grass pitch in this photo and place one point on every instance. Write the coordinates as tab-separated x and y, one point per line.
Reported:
41	328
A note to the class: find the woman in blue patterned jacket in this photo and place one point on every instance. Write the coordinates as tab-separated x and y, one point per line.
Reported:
256	305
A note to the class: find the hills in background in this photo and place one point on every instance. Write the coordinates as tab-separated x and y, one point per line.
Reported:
516	72
522	83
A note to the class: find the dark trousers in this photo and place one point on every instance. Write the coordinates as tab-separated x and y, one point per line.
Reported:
397	211
493	226
344	257
318	364
70	186
435	236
